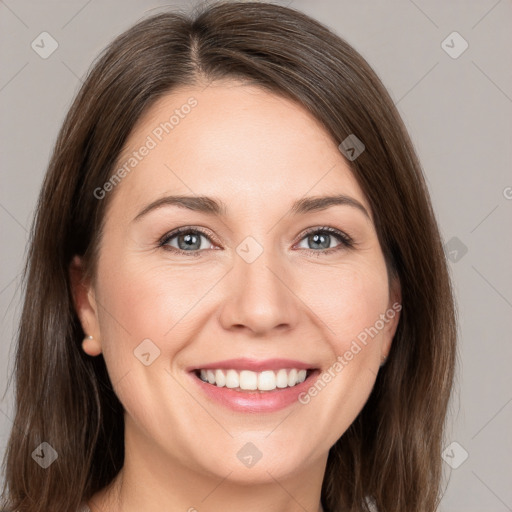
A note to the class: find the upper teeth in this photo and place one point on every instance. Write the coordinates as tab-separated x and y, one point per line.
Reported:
246	379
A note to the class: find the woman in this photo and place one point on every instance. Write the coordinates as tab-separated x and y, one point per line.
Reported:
236	292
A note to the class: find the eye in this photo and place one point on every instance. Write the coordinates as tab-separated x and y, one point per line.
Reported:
321	238
186	240
189	241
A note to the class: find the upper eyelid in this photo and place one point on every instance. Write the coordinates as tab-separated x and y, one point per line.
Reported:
178	231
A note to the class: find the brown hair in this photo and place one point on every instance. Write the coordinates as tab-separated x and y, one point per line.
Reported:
389	458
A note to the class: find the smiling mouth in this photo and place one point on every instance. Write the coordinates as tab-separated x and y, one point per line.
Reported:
247	380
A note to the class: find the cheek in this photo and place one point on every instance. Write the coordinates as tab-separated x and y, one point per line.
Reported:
350	303
142	301
144	297
143	319
348	298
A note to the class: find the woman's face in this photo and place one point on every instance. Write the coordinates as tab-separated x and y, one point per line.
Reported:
245	290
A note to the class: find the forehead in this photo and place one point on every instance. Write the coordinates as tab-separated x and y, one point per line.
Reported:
233	141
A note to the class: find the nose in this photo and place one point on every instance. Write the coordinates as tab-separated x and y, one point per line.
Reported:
259	296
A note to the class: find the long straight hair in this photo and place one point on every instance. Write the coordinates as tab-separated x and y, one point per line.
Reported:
389	459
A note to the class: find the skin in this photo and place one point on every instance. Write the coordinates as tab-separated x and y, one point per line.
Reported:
258	153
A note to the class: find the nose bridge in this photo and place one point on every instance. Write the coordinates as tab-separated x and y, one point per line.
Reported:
257	295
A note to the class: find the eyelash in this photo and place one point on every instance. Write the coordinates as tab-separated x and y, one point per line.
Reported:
345	241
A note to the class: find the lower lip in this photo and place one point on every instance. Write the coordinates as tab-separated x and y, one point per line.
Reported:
255	401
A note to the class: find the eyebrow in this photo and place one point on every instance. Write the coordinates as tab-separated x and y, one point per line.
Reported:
309	204
212	206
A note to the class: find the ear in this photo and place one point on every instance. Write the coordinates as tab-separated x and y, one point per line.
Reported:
392	316
85	306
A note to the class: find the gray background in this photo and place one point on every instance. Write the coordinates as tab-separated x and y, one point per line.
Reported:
458	112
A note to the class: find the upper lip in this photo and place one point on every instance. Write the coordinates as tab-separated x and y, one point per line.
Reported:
244	363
